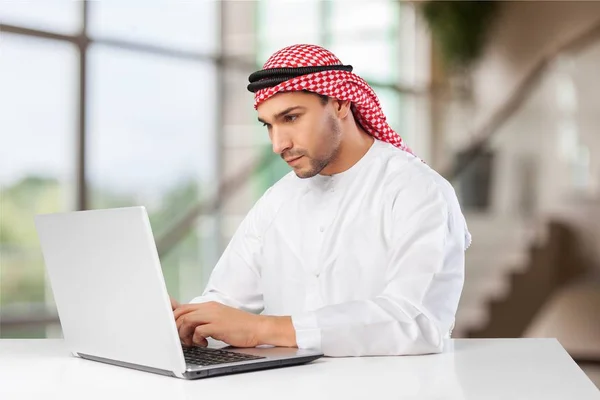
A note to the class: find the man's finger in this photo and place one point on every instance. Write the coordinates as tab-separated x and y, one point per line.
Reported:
198	316
186	339
185	327
188	324
174	303
186	308
188	336
179	321
191	318
200	335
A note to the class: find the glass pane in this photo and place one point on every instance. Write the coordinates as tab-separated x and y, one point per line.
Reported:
152	142
37	154
374	59
62	16
188	25
413	125
399	110
391	105
282	23
360	17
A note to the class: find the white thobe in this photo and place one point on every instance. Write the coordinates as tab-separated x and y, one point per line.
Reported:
366	262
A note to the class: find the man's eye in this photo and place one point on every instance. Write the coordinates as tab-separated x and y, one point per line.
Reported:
290	118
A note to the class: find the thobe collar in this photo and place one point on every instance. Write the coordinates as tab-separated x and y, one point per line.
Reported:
332	183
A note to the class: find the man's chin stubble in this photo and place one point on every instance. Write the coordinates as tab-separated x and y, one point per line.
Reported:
312	172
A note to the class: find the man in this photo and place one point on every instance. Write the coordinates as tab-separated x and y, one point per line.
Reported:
358	251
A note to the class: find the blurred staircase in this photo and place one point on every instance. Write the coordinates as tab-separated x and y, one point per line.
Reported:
512	268
499	249
514	264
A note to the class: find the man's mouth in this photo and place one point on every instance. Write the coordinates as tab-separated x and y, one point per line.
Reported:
293	160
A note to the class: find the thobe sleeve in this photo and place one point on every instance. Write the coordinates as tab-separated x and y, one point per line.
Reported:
235	280
424	277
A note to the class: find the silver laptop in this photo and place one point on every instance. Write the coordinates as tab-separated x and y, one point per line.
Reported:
113	304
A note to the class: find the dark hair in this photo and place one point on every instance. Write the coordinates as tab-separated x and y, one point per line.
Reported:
324	99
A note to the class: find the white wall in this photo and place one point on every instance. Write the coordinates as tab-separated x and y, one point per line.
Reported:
567	100
521	34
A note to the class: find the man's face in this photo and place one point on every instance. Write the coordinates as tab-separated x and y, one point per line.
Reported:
305	132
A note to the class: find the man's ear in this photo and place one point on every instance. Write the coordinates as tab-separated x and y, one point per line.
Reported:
342	108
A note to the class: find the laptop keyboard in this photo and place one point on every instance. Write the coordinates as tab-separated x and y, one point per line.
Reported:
207	356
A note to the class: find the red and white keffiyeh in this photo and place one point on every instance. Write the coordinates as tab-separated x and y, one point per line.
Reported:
339	84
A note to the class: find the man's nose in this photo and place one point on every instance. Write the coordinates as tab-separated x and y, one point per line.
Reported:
280	139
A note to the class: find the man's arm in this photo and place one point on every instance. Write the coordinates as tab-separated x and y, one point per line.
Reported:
235	279
234	282
425	275
411	316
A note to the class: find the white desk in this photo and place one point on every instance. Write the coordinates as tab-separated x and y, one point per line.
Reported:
468	369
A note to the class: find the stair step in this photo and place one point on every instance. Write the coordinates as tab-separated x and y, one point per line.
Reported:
467	318
483	266
481	291
500	248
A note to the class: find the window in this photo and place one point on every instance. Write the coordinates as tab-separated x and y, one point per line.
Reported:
57	16
151	141
183	25
37	142
282	23
373	59
151	126
355	19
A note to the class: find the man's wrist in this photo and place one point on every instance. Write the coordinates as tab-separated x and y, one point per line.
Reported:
276	331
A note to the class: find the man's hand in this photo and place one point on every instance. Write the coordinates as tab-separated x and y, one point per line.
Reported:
196	322
174	303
